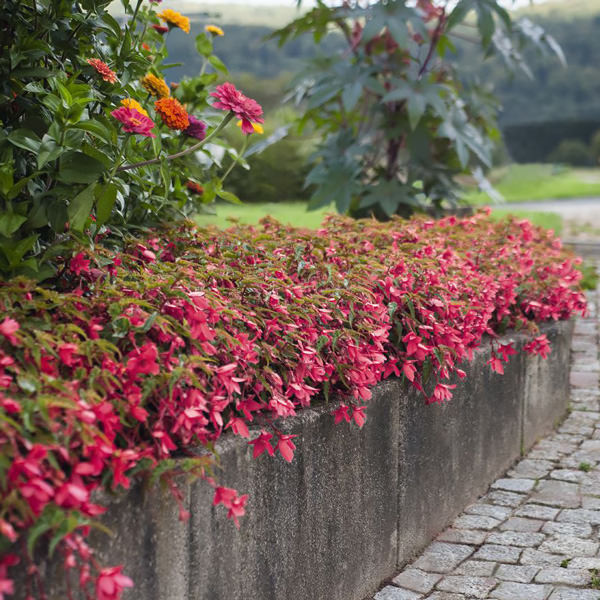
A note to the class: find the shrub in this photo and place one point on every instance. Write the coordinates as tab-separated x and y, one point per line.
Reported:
148	353
533	142
572	152
93	143
595	147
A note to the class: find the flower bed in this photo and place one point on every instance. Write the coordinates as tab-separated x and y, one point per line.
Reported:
149	354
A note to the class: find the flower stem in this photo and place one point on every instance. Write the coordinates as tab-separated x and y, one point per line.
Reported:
237	158
193	148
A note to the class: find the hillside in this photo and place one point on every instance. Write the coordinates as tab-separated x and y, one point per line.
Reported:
563	9
272	16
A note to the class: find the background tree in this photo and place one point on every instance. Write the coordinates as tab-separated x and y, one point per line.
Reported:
399	120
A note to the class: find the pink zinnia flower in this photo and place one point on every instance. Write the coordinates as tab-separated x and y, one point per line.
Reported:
246	109
134	121
196	128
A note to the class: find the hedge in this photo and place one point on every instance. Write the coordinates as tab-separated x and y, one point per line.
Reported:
145	356
533	142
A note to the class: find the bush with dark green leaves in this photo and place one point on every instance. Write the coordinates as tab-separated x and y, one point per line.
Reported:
572	152
93	143
595	147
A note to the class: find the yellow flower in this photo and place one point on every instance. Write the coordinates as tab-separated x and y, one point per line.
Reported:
175	19
214	29
155	86
257	128
131	103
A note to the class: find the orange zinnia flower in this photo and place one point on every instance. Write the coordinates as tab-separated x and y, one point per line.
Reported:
155	86
103	69
174	116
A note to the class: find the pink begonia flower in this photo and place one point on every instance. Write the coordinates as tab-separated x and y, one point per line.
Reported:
111	583
247	110
441	392
358	414
238	426
142	361
79	264
496	364
262	444
8	328
66	352
341	414
539	346
286	447
134	121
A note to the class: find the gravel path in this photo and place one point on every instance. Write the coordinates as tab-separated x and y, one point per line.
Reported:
536	534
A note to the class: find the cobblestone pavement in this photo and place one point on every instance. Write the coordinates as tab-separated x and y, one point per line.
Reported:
536	534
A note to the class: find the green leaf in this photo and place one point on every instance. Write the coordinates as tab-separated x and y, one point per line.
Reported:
112	24
69	525
77	167
105	200
6	178
459	13
486	25
204	45
10	222
37	530
217	63
15	250
96	128
401	92
228	196
27	384
351	95
416	107
80	208
26	139
49	150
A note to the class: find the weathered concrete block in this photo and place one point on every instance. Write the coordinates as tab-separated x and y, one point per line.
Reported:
546	388
353	506
450	453
323	526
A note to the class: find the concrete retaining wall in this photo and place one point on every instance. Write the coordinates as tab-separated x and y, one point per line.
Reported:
354	505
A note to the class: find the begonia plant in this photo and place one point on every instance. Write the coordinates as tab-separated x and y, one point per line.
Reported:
150	355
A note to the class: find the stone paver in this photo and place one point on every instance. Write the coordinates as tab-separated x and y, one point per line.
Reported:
536	534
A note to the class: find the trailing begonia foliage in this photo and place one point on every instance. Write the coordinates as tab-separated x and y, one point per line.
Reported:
144	356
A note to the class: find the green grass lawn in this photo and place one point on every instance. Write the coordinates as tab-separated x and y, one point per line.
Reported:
295	213
523	183
544	219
